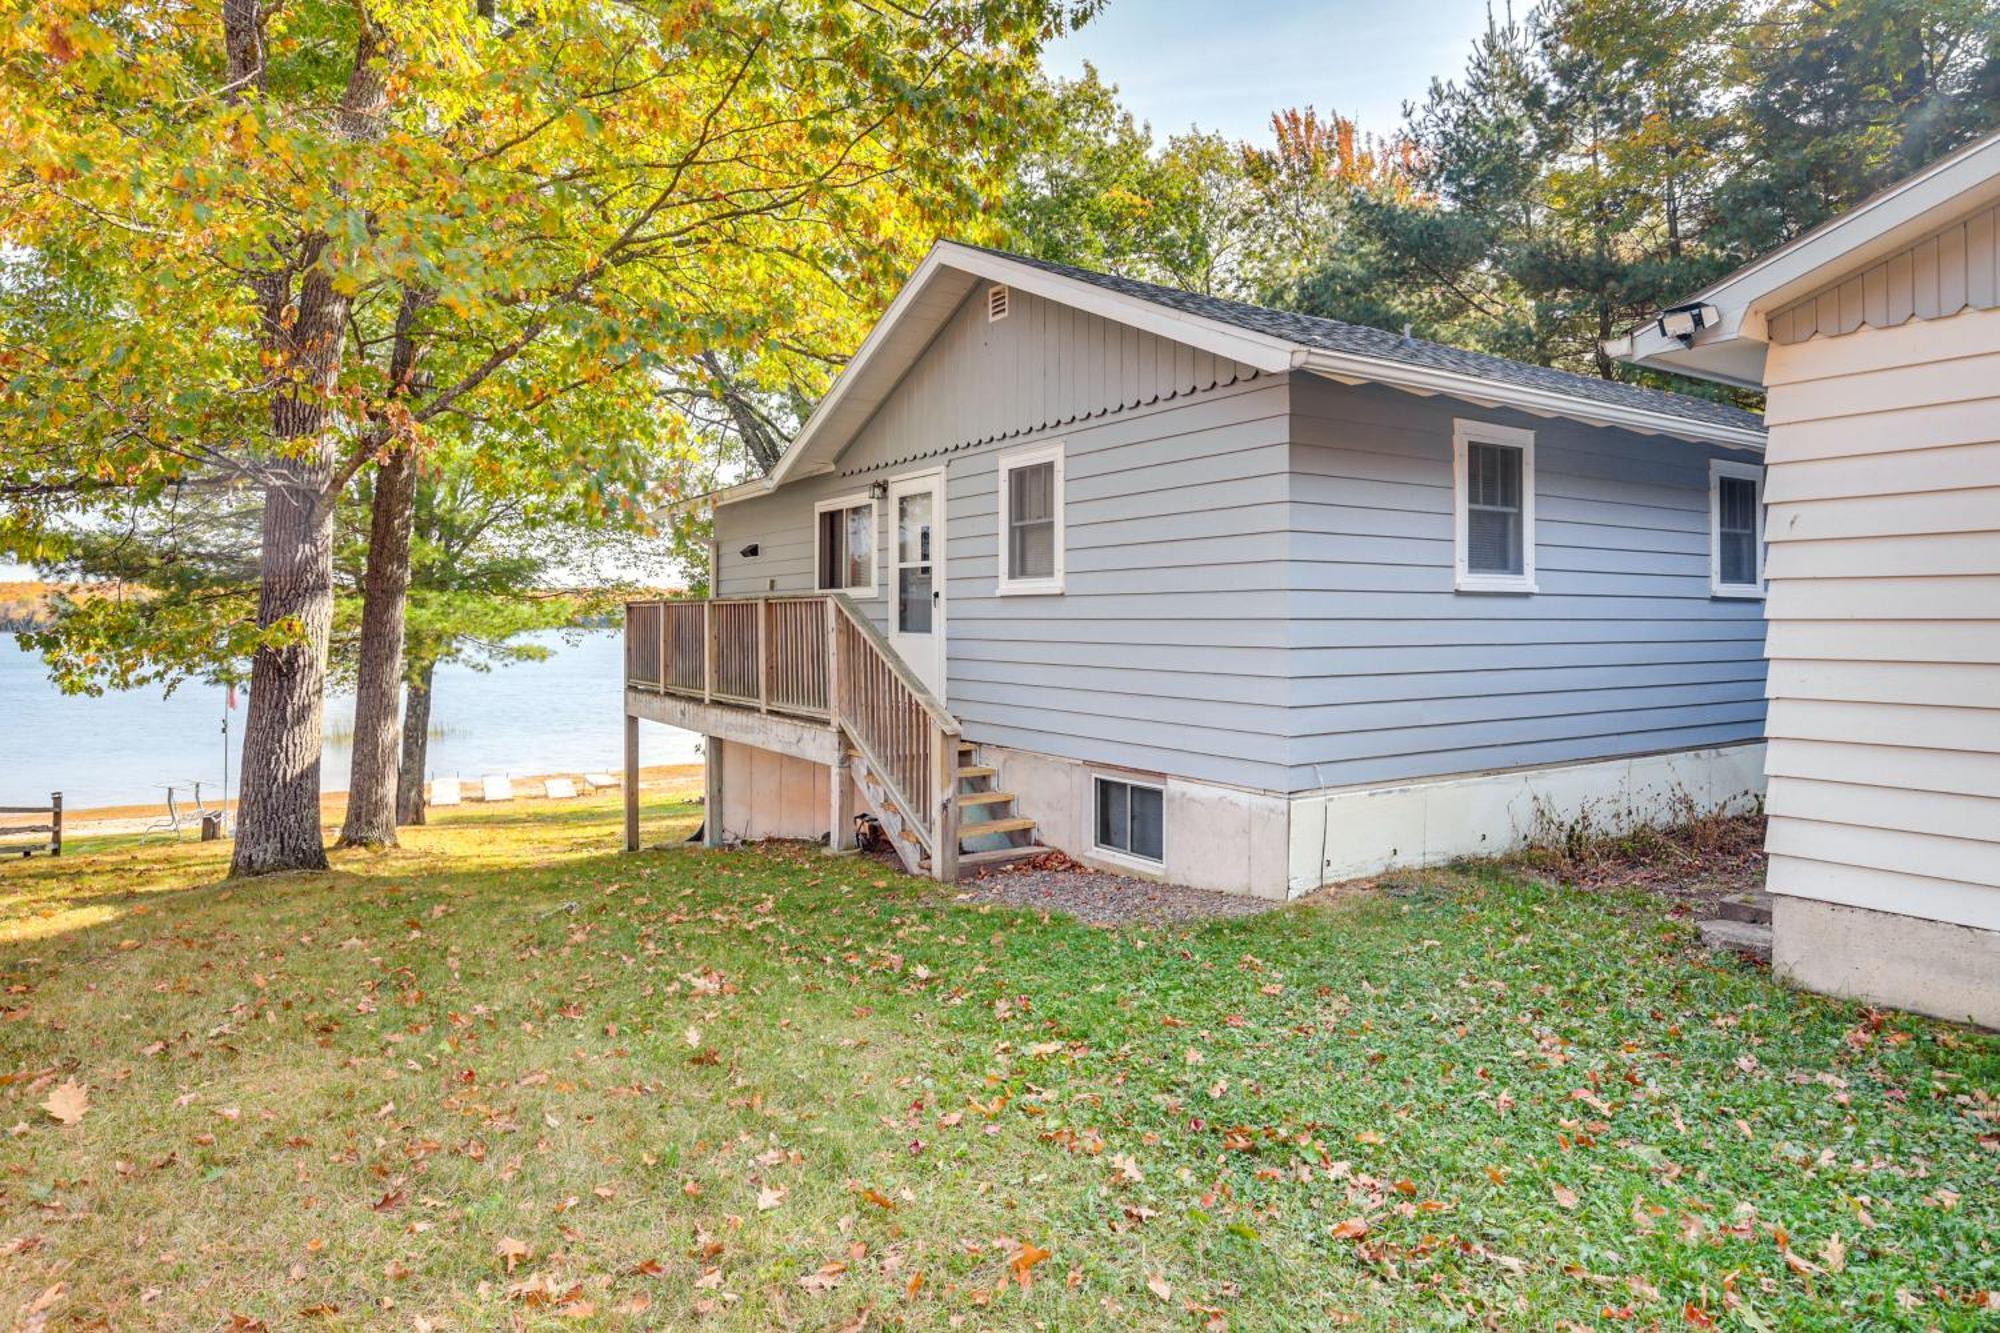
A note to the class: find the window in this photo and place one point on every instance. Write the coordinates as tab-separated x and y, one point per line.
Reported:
1130	818
1736	529
847	545
1031	520
1493	503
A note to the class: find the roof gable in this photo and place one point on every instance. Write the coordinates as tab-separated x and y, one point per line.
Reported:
1044	365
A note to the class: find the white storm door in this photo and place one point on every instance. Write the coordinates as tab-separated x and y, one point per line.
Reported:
916	575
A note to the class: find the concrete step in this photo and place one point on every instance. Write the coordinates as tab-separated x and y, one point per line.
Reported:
1750	908
1737	937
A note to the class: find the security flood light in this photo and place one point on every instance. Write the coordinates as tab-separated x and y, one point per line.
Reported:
1681	322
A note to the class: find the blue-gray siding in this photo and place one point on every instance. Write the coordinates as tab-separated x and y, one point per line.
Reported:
1621	650
1259	570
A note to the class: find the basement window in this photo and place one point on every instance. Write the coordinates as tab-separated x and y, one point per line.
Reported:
1130	819
1493	507
1031	520
1736	529
846	540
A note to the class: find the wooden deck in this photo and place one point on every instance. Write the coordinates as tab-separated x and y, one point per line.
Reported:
807	676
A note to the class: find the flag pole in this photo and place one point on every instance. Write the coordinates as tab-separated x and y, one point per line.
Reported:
228	702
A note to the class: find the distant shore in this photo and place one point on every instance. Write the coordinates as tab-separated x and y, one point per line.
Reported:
134	818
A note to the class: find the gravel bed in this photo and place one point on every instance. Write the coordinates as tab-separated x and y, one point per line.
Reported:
1056	884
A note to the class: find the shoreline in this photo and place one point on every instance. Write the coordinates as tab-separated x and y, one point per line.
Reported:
135	817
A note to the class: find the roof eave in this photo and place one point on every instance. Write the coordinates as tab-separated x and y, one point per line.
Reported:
1541	402
1732	350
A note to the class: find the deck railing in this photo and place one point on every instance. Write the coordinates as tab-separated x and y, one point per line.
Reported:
816	657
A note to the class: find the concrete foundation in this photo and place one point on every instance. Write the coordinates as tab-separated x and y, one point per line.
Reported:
1350	832
1214	837
1932	967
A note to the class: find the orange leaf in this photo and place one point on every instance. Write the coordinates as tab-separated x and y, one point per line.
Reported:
1354	1228
1024	1261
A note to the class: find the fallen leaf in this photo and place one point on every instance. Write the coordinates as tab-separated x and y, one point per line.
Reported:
1354	1228
68	1102
767	1199
1024	1261
826	1279
1564	1198
512	1251
1160	1287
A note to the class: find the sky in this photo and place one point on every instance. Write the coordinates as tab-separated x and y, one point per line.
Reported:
1228	64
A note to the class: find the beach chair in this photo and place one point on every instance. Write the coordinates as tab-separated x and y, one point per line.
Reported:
446	792
560	789
496	787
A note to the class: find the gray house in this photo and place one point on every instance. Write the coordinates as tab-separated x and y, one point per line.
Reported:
1236	598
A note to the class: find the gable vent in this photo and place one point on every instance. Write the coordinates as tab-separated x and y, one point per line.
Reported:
996	303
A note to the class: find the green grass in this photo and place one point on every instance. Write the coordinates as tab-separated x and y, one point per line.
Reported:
774	1089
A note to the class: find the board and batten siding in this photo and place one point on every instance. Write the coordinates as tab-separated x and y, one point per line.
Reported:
1166	652
1884	564
1622	650
1956	268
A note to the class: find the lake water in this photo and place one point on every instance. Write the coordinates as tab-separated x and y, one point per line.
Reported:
559	715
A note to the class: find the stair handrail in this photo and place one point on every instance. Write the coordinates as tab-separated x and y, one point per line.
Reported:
937	826
894	660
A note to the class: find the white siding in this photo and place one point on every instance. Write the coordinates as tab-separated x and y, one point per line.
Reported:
1884	609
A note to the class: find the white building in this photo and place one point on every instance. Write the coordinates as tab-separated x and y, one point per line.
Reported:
1877	337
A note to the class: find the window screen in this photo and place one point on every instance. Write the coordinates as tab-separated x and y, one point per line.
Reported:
1130	818
847	547
1493	520
1031	521
1736	530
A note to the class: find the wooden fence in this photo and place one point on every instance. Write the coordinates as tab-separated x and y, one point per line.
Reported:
53	844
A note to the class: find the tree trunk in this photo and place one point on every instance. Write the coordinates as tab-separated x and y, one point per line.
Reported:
277	824
411	801
371	785
278	815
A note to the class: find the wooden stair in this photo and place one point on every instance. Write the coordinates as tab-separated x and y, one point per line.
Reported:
989	832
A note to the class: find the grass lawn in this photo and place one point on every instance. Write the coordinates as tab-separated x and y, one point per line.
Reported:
507	1075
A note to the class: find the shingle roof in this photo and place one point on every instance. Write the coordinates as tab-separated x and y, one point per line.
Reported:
1361	340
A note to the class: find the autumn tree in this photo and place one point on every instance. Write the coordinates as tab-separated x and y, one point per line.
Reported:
271	247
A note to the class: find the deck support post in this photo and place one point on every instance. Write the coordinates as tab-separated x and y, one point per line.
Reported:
711	800
840	807
631	783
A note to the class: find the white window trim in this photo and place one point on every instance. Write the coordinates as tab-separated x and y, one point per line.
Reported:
854	501
1464	433
1040	453
1132	859
1718	468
